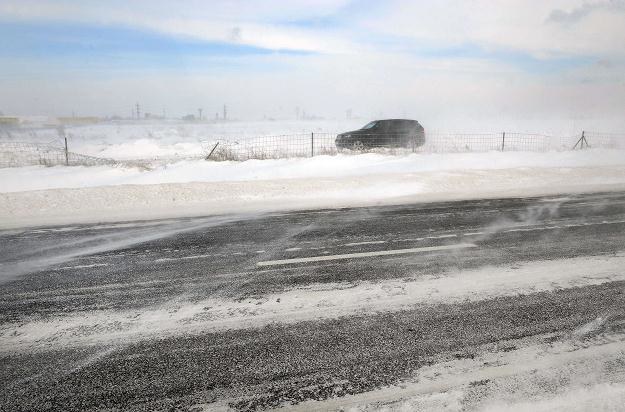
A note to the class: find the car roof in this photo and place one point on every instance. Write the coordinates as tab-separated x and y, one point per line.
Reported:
396	120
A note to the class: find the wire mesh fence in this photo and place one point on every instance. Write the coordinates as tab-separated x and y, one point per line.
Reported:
15	153
315	144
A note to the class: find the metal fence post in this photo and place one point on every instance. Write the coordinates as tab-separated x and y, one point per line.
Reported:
581	141
66	153
503	141
312	144
209	155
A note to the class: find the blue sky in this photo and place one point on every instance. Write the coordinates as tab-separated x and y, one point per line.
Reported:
371	55
122	47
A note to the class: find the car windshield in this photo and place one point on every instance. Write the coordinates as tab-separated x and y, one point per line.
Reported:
369	125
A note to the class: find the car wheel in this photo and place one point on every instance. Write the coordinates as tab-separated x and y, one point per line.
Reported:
358	145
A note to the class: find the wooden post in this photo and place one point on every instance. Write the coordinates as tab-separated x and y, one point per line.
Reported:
312	144
503	141
209	155
581	142
66	153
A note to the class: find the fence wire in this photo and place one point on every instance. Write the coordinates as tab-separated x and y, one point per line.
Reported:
18	153
315	144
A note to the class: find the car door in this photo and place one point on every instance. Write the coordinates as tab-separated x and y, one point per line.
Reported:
383	134
406	134
394	133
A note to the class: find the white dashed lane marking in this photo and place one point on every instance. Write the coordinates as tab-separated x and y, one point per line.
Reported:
373	242
365	254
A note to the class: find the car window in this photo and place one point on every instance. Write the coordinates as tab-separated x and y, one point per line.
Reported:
370	125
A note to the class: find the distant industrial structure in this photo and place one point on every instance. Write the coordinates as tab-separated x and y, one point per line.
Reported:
9	121
79	120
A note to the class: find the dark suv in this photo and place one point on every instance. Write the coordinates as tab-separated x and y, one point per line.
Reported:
383	133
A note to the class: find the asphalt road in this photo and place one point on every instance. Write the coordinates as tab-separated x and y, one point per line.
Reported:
194	313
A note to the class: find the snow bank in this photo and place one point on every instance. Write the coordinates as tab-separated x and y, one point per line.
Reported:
41	177
58	195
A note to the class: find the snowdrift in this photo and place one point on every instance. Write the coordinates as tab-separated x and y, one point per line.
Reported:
59	195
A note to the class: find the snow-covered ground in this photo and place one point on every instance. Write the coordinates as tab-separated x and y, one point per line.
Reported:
181	184
173	139
169	139
45	195
41	177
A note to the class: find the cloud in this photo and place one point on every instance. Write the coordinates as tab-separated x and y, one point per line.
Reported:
444	61
513	25
577	14
260	24
540	29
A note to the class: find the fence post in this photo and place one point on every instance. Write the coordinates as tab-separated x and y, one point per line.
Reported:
209	155
66	153
312	144
503	141
581	142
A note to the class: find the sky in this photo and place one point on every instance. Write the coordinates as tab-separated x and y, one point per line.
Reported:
451	64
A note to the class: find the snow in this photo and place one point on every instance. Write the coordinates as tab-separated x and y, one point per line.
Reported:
41	177
317	301
145	140
38	195
180	184
564	376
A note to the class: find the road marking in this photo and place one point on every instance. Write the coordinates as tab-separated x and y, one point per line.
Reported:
94	265
441	236
365	254
373	242
418	239
182	257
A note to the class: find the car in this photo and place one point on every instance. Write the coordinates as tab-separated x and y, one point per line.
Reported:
387	133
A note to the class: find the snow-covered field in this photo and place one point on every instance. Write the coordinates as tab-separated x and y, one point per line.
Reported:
183	184
41	177
42	195
174	140
169	139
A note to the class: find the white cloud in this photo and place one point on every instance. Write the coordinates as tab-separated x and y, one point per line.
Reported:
578	28
260	24
368	62
542	29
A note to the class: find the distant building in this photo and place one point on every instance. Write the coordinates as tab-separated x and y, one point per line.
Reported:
79	120
189	118
9	121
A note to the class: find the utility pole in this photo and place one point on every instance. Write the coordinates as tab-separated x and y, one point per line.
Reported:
199	111
138	111
225	112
